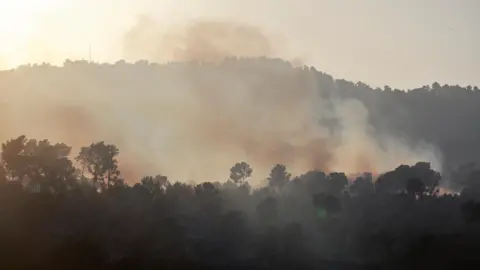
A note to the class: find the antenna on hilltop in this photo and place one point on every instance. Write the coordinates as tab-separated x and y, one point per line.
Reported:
89	53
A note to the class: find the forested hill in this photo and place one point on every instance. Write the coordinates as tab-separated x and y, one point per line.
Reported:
442	115
298	130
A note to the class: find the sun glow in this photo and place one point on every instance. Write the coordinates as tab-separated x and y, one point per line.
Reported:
18	21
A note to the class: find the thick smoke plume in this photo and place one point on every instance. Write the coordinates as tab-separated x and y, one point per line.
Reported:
199	40
192	122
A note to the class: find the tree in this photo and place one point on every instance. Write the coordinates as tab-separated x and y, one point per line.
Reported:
429	177
208	198
154	184
415	187
326	203
393	181
14	161
278	176
362	186
337	182
314	181
239	172
100	161
396	181
56	170
45	165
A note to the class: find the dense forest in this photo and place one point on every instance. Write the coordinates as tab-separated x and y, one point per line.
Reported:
74	207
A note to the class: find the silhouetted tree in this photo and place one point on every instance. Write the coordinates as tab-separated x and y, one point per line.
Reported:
13	159
278	176
155	184
415	187
362	185
396	181
100	160
240	172
46	166
208	198
315	181
337	183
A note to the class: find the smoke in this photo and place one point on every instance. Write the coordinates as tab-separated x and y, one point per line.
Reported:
364	149
197	40
193	121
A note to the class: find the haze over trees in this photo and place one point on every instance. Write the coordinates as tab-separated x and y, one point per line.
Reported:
351	126
81	200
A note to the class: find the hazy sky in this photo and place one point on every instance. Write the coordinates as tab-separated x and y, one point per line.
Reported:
401	43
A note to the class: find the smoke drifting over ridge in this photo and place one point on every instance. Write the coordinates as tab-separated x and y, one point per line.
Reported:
194	121
197	40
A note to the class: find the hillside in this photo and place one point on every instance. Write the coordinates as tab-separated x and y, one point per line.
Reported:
290	169
189	116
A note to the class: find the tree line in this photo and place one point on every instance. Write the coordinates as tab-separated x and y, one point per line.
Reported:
60	216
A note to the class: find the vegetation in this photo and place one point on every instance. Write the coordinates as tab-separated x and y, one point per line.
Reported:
61	210
57	217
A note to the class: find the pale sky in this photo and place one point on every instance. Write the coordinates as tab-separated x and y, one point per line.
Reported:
400	43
